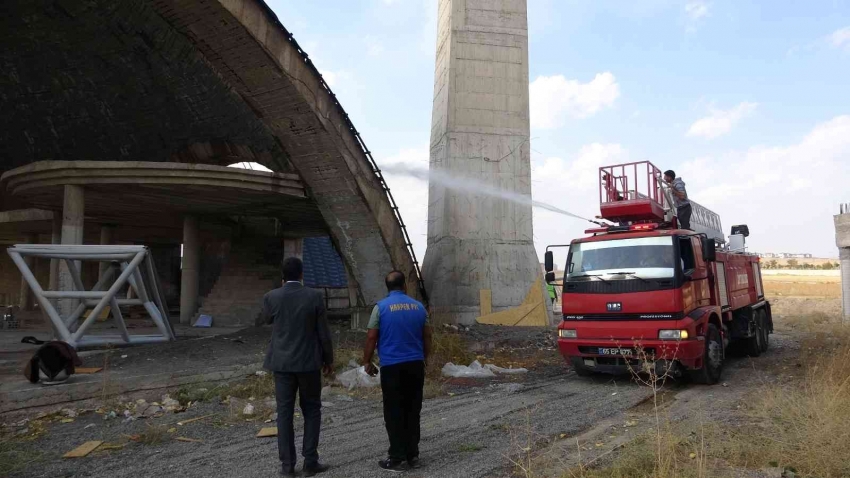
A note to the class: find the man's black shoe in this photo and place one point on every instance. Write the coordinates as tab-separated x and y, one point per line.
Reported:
414	462
397	466
287	471
315	469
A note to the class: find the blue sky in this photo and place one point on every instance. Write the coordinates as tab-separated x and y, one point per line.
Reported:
748	101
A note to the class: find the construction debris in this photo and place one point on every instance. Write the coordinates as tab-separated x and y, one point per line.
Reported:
83	450
476	370
357	377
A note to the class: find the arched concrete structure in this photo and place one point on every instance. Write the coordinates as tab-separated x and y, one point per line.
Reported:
214	82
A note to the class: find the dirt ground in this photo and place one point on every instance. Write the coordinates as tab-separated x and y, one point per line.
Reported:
534	424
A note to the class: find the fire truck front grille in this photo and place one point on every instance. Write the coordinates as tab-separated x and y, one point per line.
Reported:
618	286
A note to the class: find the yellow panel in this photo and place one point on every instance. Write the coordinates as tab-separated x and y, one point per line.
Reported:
486	301
532	312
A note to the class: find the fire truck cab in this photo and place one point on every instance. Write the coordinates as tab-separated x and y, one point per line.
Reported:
640	290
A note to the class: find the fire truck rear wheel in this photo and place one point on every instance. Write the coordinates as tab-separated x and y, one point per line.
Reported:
712	359
764	329
754	343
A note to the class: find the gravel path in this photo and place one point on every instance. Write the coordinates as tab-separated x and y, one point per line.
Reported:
475	432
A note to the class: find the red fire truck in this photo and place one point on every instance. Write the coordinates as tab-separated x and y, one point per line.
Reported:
638	289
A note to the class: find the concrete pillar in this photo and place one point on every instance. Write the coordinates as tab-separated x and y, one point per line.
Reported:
73	212
107	237
55	238
480	130
26	294
189	276
842	240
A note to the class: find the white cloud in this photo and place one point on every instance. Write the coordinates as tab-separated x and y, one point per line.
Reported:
786	194
720	122
696	9
695	12
373	46
840	38
411	195
554	98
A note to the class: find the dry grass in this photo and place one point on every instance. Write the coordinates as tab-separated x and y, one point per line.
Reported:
799	424
804	425
153	435
16	455
795	287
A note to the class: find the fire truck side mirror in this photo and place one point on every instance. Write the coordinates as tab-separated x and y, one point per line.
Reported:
550	262
709	250
550	277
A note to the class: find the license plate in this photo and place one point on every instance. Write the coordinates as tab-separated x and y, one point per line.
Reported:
615	351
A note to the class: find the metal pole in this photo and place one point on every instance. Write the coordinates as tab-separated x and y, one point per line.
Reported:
39	295
109	294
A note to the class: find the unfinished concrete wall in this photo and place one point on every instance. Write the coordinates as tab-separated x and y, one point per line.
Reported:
480	129
842	240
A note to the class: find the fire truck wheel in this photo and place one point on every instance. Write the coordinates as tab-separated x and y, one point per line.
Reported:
712	360
754	343
765	330
581	369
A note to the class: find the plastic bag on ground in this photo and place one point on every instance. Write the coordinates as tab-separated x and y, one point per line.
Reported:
357	377
506	371
474	370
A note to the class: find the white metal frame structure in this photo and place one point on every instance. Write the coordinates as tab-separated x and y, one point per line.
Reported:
134	268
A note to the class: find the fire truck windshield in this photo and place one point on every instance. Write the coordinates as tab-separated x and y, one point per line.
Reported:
644	258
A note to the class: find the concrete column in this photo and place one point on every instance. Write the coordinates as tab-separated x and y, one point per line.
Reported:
107	237
55	238
26	293
842	240
480	130
844	256
73	212
189	276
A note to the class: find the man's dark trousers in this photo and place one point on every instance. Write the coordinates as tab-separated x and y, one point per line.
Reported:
684	215
309	388
401	385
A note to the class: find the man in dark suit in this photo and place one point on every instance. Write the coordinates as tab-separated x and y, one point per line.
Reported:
300	350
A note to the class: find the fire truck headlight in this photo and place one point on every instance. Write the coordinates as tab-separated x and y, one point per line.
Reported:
672	334
567	333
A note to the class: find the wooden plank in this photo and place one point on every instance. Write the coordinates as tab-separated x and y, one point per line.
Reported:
83	449
188	440
87	370
267	432
193	419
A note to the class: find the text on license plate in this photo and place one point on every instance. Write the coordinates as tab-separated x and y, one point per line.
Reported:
615	351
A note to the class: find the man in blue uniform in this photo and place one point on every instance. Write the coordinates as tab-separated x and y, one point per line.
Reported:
399	328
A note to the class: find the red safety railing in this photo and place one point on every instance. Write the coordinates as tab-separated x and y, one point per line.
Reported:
631	193
629	182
